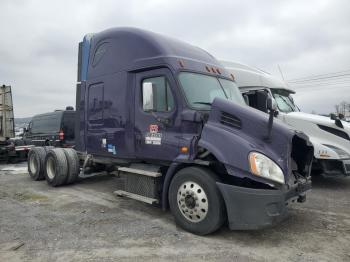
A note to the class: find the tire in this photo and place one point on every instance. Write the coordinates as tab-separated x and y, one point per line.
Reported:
208	209
48	148
56	167
36	163
73	165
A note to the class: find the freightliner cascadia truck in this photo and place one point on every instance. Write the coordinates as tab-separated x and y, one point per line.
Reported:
168	117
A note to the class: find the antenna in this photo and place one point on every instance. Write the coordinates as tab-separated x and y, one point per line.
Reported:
279	68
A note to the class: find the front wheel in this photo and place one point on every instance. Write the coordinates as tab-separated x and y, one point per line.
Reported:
195	201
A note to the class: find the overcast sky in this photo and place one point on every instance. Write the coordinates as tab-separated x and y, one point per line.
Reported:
39	39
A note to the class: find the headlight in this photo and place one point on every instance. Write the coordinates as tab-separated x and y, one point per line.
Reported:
341	153
261	165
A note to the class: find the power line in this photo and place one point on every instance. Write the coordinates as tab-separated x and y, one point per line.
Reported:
343	78
321	83
313	79
315	88
313	76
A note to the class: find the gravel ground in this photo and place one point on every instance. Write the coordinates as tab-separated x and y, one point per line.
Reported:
86	222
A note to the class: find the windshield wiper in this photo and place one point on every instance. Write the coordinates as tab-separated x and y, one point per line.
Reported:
287	103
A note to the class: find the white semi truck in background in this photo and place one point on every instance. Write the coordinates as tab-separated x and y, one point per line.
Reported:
330	136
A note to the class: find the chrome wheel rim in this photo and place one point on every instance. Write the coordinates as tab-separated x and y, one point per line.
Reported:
50	168
33	164
192	201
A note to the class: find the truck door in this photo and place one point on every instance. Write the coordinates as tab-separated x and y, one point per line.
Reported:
156	110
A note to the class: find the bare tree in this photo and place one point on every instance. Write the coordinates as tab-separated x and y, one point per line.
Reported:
337	109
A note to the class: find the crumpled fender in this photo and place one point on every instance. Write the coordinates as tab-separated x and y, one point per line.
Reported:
231	145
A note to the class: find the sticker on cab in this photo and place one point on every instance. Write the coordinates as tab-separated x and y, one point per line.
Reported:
153	137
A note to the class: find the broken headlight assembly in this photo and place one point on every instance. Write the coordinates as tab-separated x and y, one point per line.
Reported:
261	165
340	152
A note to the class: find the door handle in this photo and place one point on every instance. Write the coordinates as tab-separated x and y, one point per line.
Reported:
164	120
138	138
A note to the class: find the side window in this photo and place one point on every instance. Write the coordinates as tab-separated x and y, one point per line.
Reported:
68	124
95	109
161	99
99	53
45	124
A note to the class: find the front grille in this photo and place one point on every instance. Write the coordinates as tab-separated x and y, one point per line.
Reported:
230	120
335	132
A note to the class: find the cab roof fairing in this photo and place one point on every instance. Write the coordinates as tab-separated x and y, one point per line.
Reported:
135	49
246	76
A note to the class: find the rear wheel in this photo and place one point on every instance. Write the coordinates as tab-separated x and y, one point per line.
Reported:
48	148
36	163
195	201
56	167
73	165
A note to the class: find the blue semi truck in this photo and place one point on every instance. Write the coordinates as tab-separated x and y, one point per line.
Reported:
169	118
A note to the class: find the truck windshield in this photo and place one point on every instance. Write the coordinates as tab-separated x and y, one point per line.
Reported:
284	101
200	90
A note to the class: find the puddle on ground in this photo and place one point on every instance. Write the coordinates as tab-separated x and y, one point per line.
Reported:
13	169
29	196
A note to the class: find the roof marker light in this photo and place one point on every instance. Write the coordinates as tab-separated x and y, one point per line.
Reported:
208	69
218	70
233	77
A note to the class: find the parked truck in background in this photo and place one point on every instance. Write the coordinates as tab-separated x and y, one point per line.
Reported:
9	150
330	136
52	129
169	118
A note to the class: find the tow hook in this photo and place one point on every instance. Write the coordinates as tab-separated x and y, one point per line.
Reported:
301	199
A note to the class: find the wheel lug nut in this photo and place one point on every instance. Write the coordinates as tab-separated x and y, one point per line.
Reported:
191	212
195	210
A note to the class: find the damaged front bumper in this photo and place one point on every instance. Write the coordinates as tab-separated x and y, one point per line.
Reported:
334	168
249	208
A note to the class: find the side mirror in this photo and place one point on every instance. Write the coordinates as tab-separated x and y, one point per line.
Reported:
341	116
333	116
246	99
148	96
271	106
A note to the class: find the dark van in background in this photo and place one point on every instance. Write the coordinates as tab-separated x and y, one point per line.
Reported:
52	129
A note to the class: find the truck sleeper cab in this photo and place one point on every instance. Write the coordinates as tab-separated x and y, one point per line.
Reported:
168	117
330	137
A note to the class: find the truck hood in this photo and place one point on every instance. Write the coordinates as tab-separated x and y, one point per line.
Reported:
233	131
322	120
324	134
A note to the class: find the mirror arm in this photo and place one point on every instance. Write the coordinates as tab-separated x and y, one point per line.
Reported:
270	123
